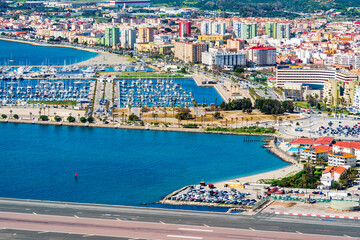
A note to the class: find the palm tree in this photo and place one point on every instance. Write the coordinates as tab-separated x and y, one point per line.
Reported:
203	102
236	120
257	123
11	113
48	110
251	118
215	102
30	115
247	122
280	120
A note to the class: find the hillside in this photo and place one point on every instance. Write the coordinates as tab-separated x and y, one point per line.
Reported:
261	7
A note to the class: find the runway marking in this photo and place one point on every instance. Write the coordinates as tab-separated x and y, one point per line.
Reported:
193	229
206	225
299	232
42	232
252	229
76	216
34	213
347	236
118	219
177	236
162	222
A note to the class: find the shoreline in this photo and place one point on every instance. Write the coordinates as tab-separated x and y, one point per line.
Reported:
51	45
95	125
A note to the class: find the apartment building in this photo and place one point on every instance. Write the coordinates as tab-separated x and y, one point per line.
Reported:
313	154
226	60
213	28
146	34
189	51
235	44
112	37
262	56
244	30
184	29
341	159
128	38
341	89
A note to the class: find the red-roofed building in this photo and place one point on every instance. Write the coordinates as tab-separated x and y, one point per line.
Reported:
302	142
323	147
324	141
331	175
262	56
348	147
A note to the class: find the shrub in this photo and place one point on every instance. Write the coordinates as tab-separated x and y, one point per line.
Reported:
3	116
82	119
71	119
57	118
90	119
133	117
16	116
190	126
217	115
44	118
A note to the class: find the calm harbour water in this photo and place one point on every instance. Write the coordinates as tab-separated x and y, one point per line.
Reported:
118	166
27	54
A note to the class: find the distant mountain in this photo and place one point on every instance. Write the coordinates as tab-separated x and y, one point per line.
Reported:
261	7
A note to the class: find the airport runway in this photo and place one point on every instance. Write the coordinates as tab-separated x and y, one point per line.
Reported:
50	220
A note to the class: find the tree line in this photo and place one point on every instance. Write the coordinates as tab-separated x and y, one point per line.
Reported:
271	106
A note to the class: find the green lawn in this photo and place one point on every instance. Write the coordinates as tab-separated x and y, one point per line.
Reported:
149	75
301	104
69	103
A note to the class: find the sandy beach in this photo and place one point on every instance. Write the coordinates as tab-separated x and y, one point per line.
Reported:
106	59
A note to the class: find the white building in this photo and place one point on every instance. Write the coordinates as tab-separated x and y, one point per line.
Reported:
341	159
213	28
303	75
226	60
262	56
356	104
128	38
331	175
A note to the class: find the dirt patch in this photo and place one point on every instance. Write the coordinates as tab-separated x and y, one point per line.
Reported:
284	204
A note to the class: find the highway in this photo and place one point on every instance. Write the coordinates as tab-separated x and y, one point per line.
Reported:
56	220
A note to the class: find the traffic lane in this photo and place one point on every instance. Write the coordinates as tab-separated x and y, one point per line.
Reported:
115	228
16	234
260	222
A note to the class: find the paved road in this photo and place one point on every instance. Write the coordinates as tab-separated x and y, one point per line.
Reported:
157	221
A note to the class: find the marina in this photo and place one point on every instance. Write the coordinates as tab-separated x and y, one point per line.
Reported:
153	93
21	92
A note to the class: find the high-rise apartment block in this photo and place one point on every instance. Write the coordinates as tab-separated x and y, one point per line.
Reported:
128	38
277	30
245	30
213	28
262	56
112	37
184	29
190	51
146	34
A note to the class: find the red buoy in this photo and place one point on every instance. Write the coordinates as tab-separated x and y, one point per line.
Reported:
76	174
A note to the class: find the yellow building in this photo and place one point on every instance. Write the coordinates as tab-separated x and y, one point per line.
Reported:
339	92
213	38
147	47
88	40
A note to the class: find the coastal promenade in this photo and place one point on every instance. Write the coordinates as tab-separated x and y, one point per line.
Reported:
27	219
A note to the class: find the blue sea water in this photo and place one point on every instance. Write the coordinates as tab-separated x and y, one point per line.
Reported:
27	54
119	166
